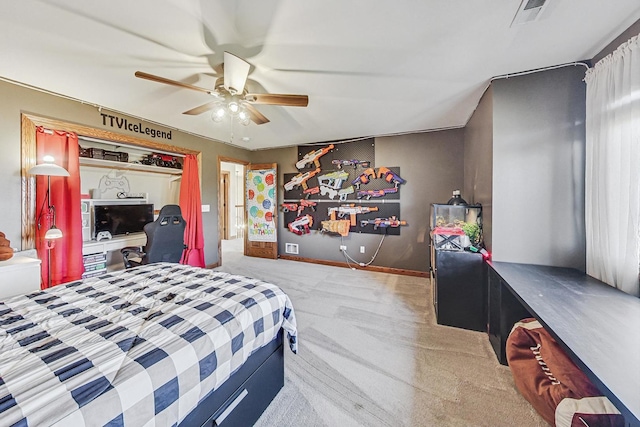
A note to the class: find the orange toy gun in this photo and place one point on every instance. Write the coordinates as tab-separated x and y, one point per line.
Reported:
310	191
340	226
313	156
383	222
306	204
364	177
351	210
301	179
390	176
290	207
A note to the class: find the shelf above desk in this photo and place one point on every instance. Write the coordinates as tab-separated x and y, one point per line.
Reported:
110	164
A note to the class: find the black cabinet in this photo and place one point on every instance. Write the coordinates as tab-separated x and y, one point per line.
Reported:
459	289
504	311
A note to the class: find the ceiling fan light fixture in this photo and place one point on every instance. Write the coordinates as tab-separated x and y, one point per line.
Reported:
234	107
243	117
218	113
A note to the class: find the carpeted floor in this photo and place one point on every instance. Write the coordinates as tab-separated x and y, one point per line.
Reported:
371	354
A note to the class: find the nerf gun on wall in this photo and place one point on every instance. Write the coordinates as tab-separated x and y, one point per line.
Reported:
301	225
340	226
299	207
301	179
333	179
342	193
355	163
364	177
306	204
351	210
368	194
383	222
313	156
311	191
390	176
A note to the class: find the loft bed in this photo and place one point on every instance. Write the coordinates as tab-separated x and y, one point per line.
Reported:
160	344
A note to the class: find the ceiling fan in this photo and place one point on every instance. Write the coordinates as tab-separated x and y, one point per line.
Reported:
231	94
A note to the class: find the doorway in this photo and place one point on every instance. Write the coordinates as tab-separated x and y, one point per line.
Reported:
231	209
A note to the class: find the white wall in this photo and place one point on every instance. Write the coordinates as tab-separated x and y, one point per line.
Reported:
161	188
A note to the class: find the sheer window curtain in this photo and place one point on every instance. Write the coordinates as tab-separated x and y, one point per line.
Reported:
613	168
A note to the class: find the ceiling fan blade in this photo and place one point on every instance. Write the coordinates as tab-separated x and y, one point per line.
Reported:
159	79
236	71
277	99
256	116
201	109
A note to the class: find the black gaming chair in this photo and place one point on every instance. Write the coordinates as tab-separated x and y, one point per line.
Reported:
165	240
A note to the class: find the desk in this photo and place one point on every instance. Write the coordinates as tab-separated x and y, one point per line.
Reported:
597	325
94	254
117	243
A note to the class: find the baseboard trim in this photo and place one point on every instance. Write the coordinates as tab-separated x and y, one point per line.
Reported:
401	271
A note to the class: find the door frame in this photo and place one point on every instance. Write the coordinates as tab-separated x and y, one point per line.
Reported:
267	250
221	202
225	176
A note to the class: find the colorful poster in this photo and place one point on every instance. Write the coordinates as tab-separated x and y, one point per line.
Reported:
261	205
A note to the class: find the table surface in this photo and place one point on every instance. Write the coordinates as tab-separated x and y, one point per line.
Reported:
598	325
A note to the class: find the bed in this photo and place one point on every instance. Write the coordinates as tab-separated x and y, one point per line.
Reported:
157	345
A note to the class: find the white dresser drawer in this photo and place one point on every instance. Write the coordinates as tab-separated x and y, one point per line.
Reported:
19	275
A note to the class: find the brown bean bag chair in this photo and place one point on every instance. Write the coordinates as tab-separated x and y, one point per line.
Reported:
560	392
6	251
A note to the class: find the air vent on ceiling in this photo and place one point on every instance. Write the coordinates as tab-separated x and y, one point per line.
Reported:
528	11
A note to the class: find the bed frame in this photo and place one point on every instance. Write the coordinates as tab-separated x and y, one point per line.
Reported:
241	399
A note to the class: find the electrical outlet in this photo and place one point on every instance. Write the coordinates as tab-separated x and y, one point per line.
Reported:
343	247
361	249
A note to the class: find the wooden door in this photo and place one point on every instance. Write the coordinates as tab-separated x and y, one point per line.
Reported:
258	213
224	212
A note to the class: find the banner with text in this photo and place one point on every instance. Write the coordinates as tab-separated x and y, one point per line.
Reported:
261	205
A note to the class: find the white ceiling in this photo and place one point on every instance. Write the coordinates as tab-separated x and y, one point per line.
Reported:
370	67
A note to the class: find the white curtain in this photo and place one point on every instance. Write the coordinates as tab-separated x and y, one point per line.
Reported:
613	168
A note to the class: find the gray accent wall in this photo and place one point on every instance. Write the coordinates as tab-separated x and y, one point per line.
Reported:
538	168
16	99
478	162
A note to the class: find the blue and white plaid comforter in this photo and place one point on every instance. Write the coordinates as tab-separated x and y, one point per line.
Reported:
139	347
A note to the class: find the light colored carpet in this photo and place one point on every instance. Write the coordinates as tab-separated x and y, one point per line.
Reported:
371	354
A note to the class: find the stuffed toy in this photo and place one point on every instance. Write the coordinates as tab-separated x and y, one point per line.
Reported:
6	251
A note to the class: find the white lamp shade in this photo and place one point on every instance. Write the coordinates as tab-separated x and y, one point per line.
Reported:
53	233
50	169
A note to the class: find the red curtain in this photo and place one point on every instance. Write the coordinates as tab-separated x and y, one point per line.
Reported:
191	207
66	252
